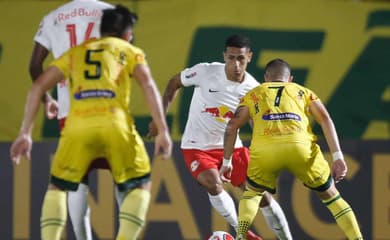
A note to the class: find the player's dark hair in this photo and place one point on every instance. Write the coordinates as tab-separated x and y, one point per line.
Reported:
278	67
238	41
117	20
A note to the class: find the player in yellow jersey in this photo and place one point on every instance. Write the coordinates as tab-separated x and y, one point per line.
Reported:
282	140
99	124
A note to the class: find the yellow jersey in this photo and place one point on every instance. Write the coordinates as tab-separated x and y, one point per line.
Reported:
279	111
100	74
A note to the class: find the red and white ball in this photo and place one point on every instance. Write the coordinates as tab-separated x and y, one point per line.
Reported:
220	235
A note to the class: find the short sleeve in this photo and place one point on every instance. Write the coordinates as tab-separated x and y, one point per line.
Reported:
311	96
250	100
63	63
137	56
42	35
194	75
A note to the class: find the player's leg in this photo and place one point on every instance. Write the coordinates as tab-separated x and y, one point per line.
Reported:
133	210
271	210
247	208
53	214
316	176
119	196
135	182
79	211
204	168
67	170
274	216
341	211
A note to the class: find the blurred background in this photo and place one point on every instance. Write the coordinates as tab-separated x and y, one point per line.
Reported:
338	48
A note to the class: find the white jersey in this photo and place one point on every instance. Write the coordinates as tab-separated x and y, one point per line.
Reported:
213	104
66	27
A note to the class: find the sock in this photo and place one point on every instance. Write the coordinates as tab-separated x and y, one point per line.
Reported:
224	205
344	216
132	214
119	196
276	220
79	212
53	216
247	210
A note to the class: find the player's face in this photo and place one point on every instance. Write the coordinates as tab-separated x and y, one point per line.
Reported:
236	60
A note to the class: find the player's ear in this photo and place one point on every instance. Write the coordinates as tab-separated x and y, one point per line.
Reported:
250	56
290	78
128	35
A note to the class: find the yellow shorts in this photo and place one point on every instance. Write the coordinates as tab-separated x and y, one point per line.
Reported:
124	151
304	160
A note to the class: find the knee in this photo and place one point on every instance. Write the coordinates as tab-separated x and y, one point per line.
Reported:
214	188
266	200
328	193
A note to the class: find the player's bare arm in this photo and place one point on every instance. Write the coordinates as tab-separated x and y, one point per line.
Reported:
22	145
321	115
169	96
240	118
144	78
38	56
171	91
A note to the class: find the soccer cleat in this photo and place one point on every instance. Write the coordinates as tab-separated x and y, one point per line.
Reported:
252	236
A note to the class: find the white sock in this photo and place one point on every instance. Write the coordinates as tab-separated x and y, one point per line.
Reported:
119	196
224	205
79	212
276	220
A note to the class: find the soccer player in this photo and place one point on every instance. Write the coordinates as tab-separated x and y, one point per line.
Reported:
66	27
99	123
218	89
283	140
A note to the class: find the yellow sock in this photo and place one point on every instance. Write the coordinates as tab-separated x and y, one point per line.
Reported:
247	210
53	216
132	214
344	216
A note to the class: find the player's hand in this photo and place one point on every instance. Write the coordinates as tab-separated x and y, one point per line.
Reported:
225	172
339	170
152	130
163	145
51	108
21	147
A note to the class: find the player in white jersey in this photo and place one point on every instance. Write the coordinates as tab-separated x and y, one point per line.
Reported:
218	89
63	28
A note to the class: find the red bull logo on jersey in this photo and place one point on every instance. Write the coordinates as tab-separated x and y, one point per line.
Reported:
63	16
95	93
221	114
281	116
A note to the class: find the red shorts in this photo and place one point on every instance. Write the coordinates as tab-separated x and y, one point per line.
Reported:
99	163
198	161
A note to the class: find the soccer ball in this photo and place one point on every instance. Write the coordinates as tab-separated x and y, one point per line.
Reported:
220	235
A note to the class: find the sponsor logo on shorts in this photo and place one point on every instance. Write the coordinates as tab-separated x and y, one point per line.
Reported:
194	165
282	116
94	94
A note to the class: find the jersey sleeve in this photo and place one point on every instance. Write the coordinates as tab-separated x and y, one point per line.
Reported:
63	63
250	100
311	96
194	75
42	35
137	56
